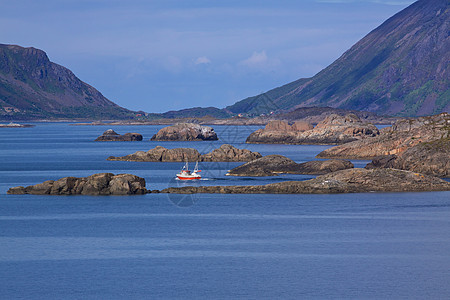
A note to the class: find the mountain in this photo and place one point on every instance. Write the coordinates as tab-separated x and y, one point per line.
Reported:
400	68
195	112
33	87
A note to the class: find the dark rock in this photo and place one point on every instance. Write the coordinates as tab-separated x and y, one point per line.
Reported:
387	161
185	132
334	129
272	165
269	165
344	181
97	184
396	139
110	135
320	167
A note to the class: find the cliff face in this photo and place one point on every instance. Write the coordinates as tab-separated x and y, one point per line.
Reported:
400	68
31	86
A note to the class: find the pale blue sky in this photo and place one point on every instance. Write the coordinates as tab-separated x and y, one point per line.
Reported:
173	54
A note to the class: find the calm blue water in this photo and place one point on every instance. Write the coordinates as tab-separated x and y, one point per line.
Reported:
385	245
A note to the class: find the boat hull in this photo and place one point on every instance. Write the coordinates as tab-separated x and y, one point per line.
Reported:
188	177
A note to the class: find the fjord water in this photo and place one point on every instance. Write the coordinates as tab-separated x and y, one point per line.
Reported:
376	245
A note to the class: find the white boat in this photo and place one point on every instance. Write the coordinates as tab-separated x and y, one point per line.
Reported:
185	174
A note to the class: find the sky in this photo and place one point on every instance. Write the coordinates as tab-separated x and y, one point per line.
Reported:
161	55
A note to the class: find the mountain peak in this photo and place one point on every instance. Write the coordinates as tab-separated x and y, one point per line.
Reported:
400	68
31	86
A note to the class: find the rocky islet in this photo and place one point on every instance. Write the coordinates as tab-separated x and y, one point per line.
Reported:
112	136
334	129
272	165
97	184
396	139
225	153
185	132
344	181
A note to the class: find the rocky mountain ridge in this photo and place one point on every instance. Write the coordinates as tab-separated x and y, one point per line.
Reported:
33	87
400	68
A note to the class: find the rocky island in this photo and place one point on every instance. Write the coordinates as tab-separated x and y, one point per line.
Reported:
97	184
345	181
403	135
225	153
431	158
185	132
112	136
334	129
272	165
16	125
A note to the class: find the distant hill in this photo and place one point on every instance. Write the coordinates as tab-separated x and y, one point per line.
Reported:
195	112
33	87
400	68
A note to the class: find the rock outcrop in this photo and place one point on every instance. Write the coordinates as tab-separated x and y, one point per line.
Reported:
272	165
226	153
432	158
334	129
161	154
110	135
97	184
345	181
403	135
185	132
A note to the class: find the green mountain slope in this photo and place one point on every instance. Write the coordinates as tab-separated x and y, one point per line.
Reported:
33	87
400	68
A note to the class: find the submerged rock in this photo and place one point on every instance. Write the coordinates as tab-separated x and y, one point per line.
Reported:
226	153
185	132
334	129
272	165
110	135
344	181
97	184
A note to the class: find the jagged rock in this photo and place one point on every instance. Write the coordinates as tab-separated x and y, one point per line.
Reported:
226	153
97	184
185	132
432	158
110	135
344	181
272	165
334	129
403	135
